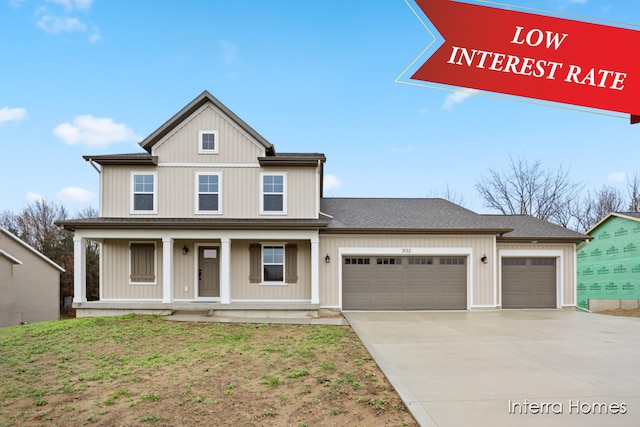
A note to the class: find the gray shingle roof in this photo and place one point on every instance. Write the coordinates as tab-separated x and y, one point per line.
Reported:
526	227
404	214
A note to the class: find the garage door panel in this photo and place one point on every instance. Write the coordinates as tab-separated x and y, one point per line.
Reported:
529	283
405	283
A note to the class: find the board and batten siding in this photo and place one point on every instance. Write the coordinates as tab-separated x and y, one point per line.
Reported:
568	297
242	289
177	191
234	145
482	282
29	292
115	273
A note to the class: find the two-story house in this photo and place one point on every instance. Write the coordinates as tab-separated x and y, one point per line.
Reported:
210	217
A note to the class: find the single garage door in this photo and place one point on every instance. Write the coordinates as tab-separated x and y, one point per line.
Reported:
529	283
404	283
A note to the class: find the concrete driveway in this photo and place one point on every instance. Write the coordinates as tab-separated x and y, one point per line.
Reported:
509	368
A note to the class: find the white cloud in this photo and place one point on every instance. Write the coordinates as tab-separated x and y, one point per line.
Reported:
75	194
94	132
55	25
95	35
457	98
73	4
34	197
401	149
12	114
617	176
331	182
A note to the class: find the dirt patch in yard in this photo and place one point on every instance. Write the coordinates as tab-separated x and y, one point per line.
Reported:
621	312
144	371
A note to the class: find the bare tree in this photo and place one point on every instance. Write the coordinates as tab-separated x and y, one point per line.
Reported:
633	190
597	205
530	189
450	195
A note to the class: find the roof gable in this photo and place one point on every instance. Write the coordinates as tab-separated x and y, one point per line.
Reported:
632	216
201	100
4	232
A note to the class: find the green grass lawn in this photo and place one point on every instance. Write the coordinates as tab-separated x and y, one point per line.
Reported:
142	370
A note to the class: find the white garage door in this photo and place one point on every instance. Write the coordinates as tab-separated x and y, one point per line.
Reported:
404	283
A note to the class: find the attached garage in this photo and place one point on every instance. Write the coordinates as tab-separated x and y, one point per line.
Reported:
404	283
529	282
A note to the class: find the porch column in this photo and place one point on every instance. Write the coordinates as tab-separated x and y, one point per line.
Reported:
167	269
225	270
79	269
315	280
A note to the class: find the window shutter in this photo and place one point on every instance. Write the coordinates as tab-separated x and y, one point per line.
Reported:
255	264
143	262
291	263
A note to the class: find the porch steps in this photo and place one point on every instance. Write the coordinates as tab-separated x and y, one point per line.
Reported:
226	316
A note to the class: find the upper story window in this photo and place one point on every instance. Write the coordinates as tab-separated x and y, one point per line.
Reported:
273	198
143	192
208	142
208	197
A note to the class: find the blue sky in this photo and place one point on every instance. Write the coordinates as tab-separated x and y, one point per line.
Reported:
95	77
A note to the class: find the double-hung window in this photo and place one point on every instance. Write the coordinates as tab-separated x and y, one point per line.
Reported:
273	197
208	142
273	263
143	192
208	193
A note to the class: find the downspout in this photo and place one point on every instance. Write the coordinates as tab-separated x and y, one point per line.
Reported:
92	163
582	245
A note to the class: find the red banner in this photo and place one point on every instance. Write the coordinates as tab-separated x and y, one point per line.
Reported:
534	56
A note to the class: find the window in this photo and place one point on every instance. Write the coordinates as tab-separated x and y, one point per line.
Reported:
273	193
452	261
388	261
208	189
142	263
355	261
273	263
143	192
208	142
420	261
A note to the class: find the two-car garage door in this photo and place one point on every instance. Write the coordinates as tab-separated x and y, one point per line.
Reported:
404	283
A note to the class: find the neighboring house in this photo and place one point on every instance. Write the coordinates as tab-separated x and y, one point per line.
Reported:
211	217
29	283
609	267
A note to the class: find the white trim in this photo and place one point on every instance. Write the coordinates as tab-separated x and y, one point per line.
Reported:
129	300
284	268
10	257
198	235
196	266
532	253
468	252
207	165
167	269
216	141
132	211
284	193
197	210
272	301
29	247
155	264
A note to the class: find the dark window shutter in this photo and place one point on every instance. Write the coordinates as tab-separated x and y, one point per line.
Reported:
291	263
143	262
255	264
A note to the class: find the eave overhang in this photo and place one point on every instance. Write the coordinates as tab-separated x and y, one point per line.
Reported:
440	231
124	159
292	160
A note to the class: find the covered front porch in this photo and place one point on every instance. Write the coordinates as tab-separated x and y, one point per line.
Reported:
235	272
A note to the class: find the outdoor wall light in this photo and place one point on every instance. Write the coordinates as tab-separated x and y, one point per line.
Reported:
185	250
327	259
484	258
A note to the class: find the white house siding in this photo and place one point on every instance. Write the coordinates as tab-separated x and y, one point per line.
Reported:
115	273
29	292
181	145
481	281
242	289
568	265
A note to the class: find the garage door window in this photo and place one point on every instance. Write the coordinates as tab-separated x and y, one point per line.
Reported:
452	261
354	261
543	261
388	261
514	261
420	261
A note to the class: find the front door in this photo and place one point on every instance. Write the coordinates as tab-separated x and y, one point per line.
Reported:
209	272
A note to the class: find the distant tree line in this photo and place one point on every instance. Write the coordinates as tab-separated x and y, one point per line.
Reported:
35	225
